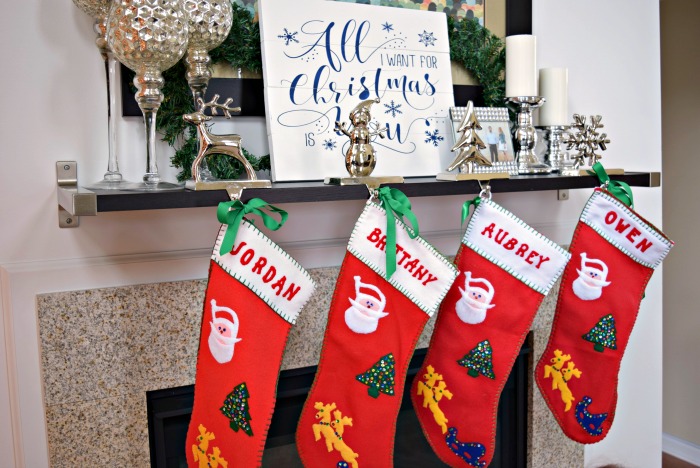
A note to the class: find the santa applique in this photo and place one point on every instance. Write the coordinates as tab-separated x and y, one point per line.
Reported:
224	333
366	308
476	299
592	278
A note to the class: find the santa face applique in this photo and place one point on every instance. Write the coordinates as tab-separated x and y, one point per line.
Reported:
366	308
592	278
224	333
476	299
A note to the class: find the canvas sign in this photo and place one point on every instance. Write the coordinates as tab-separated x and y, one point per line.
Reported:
322	58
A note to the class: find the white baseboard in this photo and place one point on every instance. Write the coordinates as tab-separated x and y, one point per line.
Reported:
679	448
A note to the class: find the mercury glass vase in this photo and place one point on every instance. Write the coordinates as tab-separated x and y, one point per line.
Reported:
149	37
209	24
98	10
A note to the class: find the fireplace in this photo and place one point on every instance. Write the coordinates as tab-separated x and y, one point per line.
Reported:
101	357
169	413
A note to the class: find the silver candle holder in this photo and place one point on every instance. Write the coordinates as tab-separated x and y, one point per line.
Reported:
555	155
525	135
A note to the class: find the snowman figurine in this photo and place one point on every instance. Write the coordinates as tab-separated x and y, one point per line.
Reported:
224	333
476	299
592	278
366	308
360	159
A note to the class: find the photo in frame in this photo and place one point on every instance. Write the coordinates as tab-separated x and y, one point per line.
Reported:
495	133
323	60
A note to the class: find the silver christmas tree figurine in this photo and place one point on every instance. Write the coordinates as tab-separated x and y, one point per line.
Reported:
469	145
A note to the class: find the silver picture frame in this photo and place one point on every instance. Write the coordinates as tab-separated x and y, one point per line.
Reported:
495	132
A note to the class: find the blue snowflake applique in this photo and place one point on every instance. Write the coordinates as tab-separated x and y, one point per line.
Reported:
387	27
433	137
393	108
426	38
288	36
329	144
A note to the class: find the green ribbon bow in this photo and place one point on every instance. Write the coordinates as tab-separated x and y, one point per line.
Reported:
397	205
467	205
621	190
232	213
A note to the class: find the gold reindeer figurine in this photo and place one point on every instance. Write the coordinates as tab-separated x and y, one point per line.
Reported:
210	144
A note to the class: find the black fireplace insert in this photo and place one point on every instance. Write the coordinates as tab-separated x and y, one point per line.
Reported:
169	414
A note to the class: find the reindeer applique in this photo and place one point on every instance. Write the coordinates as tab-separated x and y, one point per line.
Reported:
216	460
560	376
432	394
199	451
332	429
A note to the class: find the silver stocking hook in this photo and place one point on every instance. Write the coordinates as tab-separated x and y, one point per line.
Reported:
485	190
234	191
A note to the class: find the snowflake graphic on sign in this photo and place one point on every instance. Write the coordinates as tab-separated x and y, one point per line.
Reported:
288	36
387	27
329	144
393	108
426	38
433	137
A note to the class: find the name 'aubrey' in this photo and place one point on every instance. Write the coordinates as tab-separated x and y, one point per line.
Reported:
414	267
500	237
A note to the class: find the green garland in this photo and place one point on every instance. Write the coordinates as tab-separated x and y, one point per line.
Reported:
472	45
483	54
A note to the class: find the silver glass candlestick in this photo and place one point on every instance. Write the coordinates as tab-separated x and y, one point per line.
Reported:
209	24
555	155
525	135
98	10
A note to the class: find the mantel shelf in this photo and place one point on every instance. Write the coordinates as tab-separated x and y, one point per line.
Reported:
302	192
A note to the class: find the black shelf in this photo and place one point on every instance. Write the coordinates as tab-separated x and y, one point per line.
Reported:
303	192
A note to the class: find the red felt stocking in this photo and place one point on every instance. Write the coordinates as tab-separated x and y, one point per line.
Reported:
254	294
506	269
614	253
350	415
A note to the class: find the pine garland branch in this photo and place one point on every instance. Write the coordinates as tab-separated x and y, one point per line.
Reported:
483	54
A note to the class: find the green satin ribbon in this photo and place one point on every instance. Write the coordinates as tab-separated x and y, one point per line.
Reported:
621	190
397	205
232	213
467	206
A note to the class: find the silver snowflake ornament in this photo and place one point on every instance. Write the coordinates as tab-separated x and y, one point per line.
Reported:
586	139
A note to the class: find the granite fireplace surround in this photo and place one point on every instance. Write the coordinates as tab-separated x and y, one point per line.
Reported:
102	349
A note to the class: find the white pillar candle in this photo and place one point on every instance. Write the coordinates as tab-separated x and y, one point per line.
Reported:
554	87
521	65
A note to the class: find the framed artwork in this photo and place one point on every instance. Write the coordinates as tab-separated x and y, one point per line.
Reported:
322	61
495	133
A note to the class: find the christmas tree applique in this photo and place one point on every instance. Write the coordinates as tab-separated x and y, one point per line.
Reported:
236	409
380	377
479	360
603	334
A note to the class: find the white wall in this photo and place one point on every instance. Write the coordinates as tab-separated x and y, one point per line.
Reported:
54	89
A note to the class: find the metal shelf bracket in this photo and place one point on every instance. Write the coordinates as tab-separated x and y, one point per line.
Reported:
73	202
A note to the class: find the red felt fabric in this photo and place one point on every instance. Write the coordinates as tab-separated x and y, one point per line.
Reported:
347	354
256	361
575	317
472	409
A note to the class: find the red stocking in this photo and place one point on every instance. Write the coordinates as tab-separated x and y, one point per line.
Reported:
614	253
254	294
506	269
350	415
